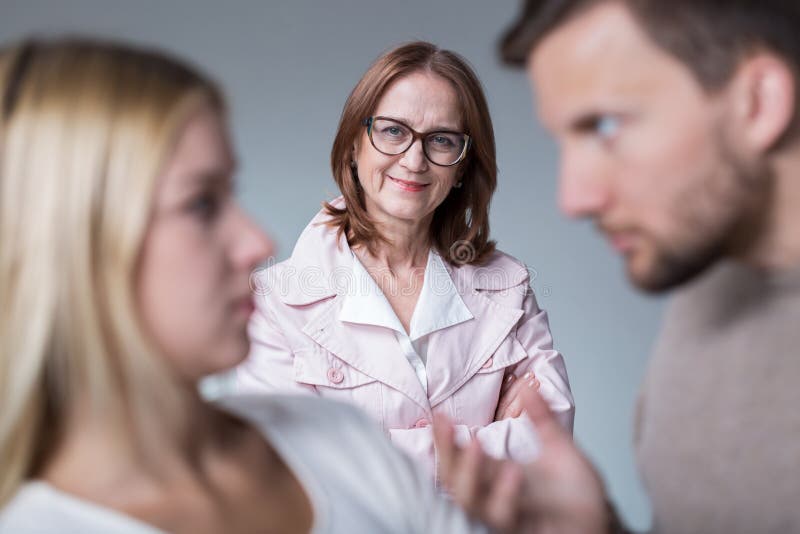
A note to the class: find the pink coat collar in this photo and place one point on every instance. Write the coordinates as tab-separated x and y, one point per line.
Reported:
321	264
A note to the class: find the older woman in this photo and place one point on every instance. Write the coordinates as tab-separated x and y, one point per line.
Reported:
124	268
394	298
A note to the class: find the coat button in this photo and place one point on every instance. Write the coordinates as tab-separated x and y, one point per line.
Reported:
335	375
422	423
488	363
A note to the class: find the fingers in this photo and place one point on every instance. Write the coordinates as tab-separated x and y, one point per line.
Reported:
485	488
446	450
502	411
512	381
462	470
467	479
501	509
550	432
509	395
508	381
510	405
509	412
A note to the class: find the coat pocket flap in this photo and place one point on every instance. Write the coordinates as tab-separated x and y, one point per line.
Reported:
321	368
509	352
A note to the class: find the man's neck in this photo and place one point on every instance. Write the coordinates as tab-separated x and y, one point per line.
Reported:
776	243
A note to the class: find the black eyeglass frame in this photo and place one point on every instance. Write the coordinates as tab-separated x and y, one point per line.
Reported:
369	121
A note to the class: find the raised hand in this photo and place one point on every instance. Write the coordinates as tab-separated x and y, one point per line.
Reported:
560	492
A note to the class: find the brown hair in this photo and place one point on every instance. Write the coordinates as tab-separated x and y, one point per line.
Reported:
460	228
708	36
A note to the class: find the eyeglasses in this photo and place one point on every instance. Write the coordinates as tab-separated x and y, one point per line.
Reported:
392	137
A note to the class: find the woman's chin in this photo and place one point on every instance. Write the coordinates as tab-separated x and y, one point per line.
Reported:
225	360
402	209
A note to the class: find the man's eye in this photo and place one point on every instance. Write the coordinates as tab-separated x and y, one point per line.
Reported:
603	126
607	126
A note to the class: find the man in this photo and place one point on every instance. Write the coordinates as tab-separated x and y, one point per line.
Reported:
678	127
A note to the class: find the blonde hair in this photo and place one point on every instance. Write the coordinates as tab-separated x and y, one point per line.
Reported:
84	130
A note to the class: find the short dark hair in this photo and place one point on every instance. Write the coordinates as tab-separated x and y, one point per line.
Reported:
461	222
708	36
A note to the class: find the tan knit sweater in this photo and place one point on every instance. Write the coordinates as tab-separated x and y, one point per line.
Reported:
718	425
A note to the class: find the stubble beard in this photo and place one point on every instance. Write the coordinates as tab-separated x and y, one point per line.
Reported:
718	217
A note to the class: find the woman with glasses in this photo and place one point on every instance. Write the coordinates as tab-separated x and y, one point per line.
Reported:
394	298
124	270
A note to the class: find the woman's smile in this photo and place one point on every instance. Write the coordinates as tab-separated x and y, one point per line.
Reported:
407	185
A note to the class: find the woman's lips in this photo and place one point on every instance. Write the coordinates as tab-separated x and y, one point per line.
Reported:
405	185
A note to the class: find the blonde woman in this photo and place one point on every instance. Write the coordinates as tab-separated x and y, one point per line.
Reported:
124	269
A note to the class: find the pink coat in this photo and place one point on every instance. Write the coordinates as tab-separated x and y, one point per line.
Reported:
299	345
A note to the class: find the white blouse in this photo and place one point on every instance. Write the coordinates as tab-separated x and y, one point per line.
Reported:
439	306
356	480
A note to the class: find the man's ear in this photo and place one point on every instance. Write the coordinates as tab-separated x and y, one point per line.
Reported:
763	90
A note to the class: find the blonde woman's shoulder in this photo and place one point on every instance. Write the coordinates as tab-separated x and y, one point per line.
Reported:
39	508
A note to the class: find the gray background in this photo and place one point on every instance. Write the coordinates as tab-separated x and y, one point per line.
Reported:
288	67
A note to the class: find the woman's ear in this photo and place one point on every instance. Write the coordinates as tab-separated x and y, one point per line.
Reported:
459	177
461	170
763	90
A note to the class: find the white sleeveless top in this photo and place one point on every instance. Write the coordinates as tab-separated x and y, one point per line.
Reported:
356	480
